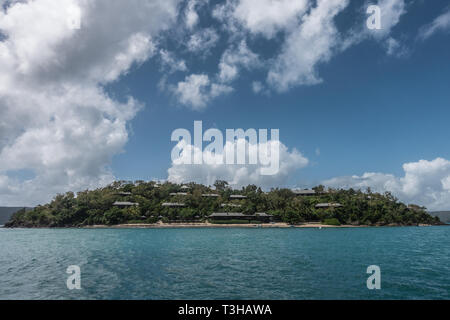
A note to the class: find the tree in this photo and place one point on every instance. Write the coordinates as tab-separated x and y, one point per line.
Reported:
221	185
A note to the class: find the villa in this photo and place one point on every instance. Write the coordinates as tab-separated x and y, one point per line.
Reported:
123	194
328	205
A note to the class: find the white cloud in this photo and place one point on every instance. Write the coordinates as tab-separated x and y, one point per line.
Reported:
202	41
306	46
309	36
267	17
57	121
257	86
170	62
425	183
238	175
191	15
234	58
197	90
395	48
391	11
441	23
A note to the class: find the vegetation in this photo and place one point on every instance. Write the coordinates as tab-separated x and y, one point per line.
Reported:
96	207
332	222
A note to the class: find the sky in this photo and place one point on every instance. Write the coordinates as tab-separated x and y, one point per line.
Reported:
85	104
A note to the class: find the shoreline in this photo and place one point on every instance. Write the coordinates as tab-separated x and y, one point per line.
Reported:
246	225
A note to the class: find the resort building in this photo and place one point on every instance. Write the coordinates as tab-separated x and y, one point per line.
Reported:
237	196
210	195
178	194
229	216
124	204
264	217
184	188
123	193
328	205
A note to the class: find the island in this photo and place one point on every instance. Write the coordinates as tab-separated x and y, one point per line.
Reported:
153	204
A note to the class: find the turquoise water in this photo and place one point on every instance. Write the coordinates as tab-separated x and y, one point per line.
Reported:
233	263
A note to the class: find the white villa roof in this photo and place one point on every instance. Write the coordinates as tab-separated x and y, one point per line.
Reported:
125	204
172	204
237	196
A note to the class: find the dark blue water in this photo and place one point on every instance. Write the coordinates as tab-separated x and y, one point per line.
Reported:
226	263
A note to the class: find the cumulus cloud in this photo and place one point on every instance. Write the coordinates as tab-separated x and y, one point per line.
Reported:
197	90
306	34
425	183
57	120
441	23
237	175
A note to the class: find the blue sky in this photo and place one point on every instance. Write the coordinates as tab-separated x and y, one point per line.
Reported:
83	106
373	112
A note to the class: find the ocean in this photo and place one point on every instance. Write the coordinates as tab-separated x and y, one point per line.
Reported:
228	263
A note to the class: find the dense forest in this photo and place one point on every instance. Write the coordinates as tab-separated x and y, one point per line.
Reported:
97	207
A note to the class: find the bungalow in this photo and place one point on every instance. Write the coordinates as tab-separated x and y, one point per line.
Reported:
124	204
210	195
185	188
328	205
